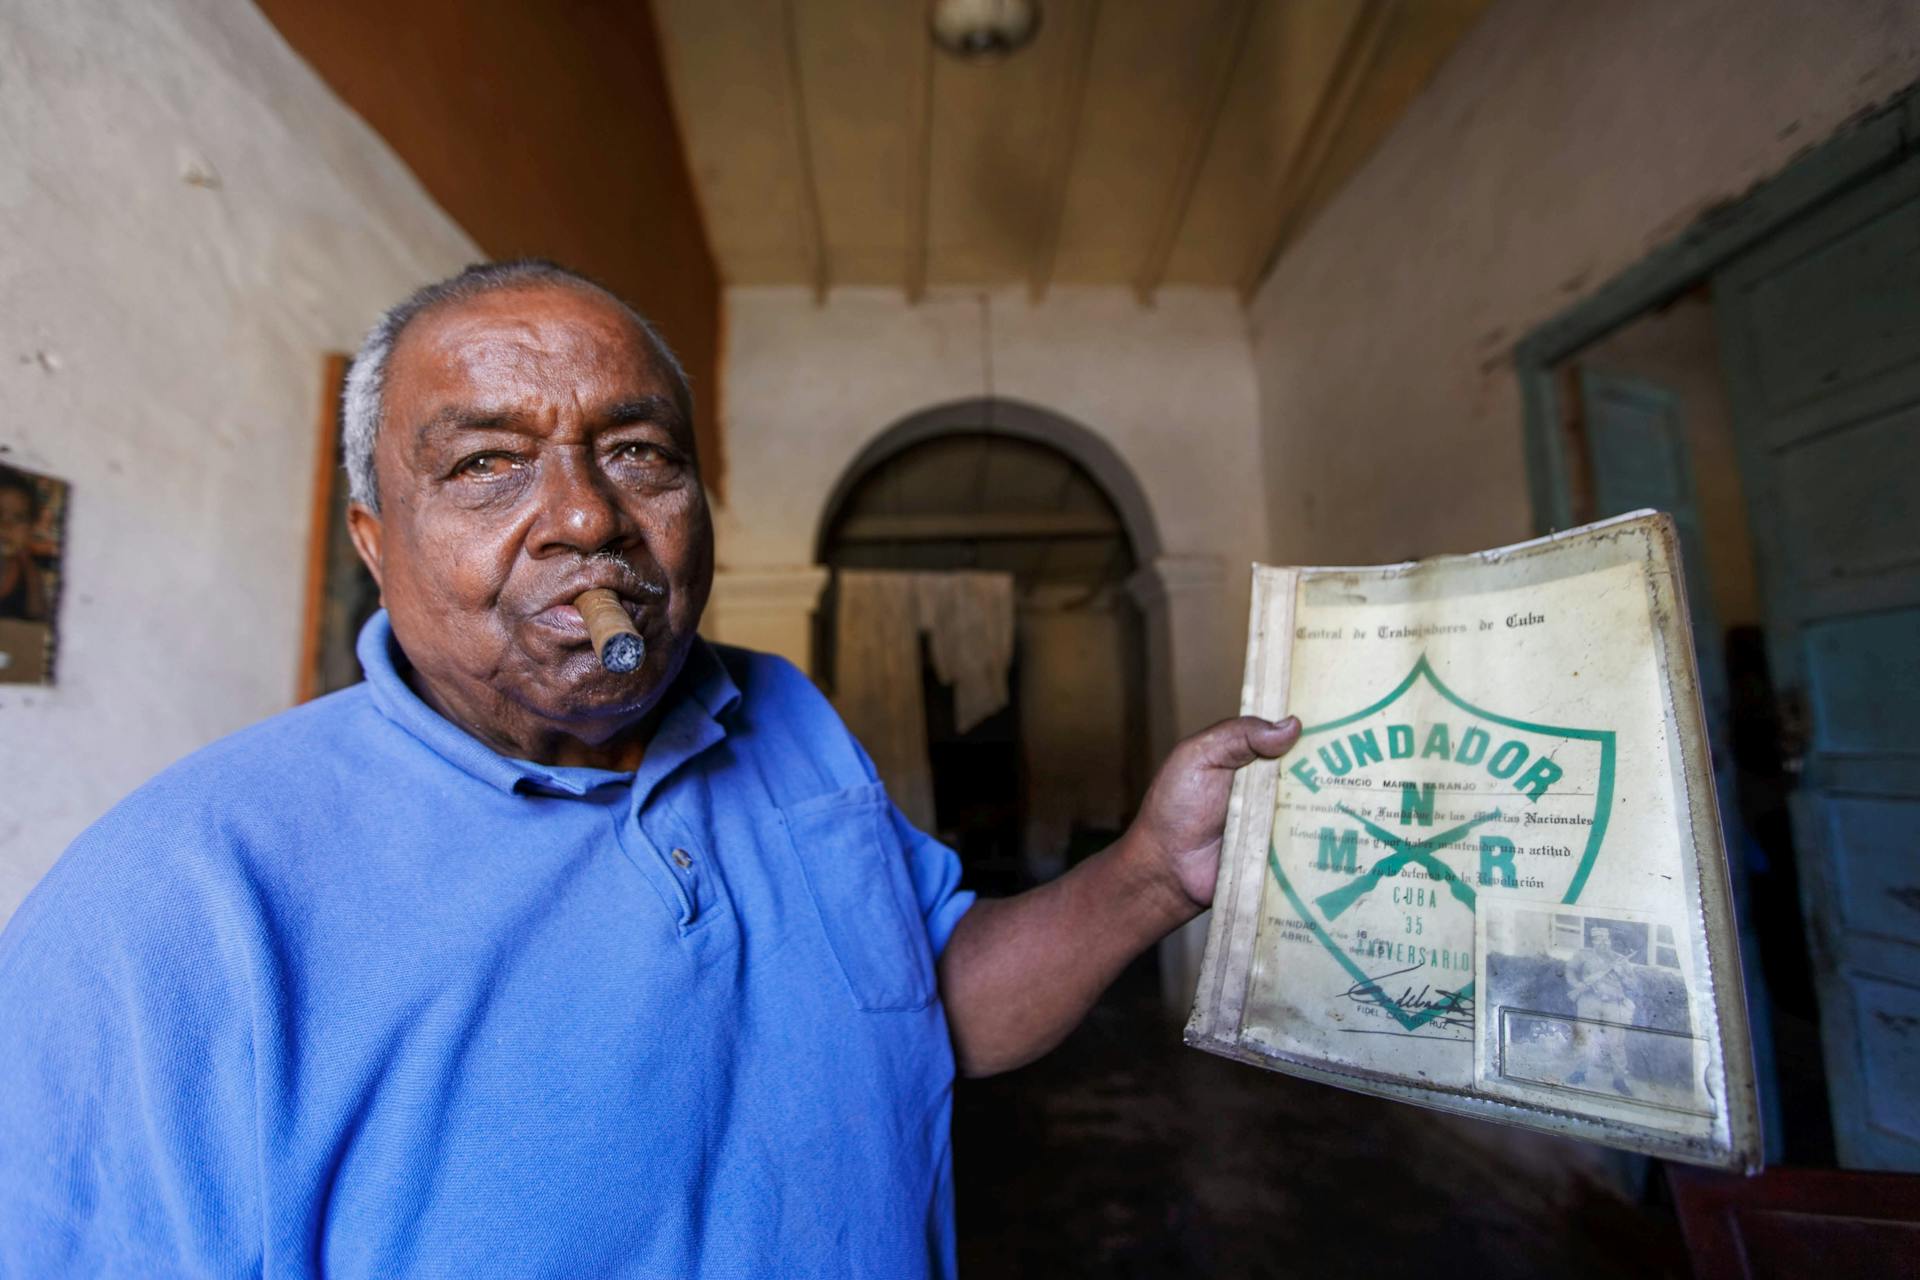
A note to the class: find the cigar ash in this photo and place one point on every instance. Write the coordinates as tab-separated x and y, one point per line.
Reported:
623	652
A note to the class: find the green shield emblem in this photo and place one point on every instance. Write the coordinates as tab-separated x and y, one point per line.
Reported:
1392	822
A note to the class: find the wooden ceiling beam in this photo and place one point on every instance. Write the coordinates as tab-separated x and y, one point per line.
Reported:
1366	37
1236	20
1071	107
812	233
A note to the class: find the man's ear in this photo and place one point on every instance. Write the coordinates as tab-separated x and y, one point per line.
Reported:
368	535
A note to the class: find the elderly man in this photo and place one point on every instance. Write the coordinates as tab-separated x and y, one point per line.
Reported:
501	964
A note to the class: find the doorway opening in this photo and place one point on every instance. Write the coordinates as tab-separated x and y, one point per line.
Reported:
1055	774
1648	422
1759	377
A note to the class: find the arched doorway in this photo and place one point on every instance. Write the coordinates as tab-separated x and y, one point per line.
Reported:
1056	773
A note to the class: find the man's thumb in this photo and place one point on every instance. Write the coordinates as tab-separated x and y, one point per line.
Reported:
1233	744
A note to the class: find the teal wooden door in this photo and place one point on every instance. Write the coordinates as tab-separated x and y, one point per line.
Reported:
1820	329
1637	447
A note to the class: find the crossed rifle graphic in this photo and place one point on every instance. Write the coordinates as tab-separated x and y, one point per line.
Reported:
1338	900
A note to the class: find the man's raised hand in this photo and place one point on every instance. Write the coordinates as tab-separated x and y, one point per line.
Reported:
1185	813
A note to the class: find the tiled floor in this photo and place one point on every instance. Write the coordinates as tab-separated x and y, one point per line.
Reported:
1125	1154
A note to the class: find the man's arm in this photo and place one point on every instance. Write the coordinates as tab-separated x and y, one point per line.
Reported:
1019	973
1577	985
1586	971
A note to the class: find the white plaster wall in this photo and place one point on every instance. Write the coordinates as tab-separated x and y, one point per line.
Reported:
1557	146
1170	387
160	347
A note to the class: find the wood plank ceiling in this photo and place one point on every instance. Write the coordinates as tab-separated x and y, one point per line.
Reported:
1135	142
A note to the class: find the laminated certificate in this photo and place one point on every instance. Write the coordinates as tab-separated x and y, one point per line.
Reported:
1489	878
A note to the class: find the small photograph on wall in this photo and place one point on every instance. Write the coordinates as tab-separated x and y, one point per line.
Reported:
33	511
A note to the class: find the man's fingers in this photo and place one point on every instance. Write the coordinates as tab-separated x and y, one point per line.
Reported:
1233	744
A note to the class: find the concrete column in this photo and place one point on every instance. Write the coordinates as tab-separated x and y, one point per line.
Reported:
769	608
1192	674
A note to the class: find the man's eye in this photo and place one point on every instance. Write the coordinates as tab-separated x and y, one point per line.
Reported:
485	466
643	460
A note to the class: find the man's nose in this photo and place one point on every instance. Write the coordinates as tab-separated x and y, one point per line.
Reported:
578	510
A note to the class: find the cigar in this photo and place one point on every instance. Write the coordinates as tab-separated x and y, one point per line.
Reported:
615	639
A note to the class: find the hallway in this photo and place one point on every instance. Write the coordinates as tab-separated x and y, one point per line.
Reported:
1126	1154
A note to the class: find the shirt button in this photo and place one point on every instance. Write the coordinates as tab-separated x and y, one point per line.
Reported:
682	859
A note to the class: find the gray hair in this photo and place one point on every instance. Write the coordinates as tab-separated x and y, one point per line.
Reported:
363	399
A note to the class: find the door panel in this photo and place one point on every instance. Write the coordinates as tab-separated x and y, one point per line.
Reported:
1845	519
1637	449
1879	877
1860	673
1820	327
1890	1035
1874	269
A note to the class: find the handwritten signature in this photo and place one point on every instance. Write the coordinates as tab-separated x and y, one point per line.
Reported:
1453	1008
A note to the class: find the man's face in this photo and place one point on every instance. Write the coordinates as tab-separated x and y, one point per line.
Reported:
531	448
1602	940
16	522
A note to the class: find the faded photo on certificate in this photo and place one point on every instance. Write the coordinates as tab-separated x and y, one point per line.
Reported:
1597	1003
1489	877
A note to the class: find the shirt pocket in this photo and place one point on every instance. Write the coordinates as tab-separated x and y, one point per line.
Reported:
856	874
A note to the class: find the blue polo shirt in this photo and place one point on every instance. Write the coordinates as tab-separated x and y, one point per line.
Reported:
349	993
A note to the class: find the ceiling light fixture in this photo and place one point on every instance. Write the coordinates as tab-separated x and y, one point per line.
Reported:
981	29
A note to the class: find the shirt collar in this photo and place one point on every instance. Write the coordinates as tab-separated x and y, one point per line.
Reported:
690	723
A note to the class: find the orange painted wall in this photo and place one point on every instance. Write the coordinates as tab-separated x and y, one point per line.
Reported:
543	127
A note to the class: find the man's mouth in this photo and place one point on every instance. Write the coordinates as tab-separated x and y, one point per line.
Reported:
563	621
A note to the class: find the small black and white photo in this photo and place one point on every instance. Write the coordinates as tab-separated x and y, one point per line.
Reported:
33	511
1591	1002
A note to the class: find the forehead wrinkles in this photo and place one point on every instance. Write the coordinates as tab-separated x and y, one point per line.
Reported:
493	353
